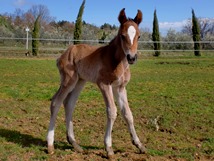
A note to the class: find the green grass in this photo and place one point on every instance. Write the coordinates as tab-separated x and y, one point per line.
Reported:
179	92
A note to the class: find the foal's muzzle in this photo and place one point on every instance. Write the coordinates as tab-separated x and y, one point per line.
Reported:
131	59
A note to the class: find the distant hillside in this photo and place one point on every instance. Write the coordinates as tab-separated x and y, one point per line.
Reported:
15	27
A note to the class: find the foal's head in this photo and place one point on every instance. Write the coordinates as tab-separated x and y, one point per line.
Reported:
129	34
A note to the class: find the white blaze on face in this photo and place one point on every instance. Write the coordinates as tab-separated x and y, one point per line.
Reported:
131	33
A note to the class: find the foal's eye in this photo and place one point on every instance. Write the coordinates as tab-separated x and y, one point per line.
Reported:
123	37
138	37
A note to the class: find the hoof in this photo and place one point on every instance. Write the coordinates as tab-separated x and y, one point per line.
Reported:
51	150
77	148
142	150
110	153
110	157
140	147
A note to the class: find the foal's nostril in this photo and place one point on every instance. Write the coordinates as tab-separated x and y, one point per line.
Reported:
128	57
131	60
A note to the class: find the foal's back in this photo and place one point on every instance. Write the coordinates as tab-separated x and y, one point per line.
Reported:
83	59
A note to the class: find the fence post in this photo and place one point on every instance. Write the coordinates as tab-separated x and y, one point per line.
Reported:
27	30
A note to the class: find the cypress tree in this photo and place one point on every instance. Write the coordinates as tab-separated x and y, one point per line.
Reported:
156	35
196	34
78	24
35	37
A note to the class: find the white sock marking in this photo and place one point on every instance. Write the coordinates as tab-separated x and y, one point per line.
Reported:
50	137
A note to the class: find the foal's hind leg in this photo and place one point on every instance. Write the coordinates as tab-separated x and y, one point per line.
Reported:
56	102
121	96
69	105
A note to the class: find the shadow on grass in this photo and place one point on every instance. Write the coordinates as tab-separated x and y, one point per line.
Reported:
65	145
23	140
26	140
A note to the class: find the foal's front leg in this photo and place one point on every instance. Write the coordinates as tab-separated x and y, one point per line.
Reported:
121	96
111	111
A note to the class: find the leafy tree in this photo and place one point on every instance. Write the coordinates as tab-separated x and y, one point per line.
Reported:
35	36
196	34
78	24
4	22
156	35
175	36
103	37
108	26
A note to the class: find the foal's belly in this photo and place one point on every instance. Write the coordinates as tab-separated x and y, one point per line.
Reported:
88	73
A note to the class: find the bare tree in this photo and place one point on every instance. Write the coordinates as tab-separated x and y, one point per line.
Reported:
146	38
206	27
29	19
41	10
18	17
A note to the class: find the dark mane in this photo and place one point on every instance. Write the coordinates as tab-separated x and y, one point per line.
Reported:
113	40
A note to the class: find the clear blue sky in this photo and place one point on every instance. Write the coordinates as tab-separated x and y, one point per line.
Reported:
171	13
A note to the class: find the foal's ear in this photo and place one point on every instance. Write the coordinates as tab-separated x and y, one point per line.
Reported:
122	16
138	17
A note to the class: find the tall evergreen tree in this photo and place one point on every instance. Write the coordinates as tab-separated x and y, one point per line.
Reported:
196	34
156	35
78	24
35	37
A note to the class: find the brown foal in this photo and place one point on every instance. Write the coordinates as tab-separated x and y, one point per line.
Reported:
108	67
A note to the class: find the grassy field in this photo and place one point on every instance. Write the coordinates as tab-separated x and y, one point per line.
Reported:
172	100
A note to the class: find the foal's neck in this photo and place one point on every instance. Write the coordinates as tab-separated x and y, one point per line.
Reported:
117	52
